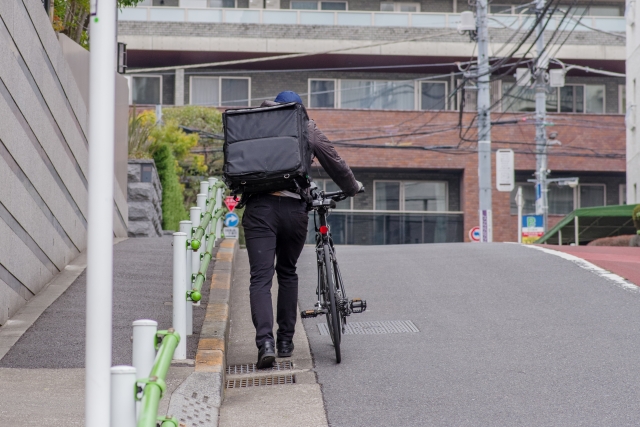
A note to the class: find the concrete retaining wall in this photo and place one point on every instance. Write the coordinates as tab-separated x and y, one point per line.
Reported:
43	157
144	196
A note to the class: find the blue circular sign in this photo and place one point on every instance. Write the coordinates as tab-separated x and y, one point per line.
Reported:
231	220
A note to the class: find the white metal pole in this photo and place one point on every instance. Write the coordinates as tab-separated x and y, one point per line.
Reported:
212	182
144	346
218	206
201	202
204	189
185	227
123	396
100	214
194	214
179	293
519	203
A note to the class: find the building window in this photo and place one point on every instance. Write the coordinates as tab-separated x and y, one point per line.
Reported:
379	95
578	11
322	93
591	195
471	95
433	95
502	9
169	3
572	99
222	3
399	7
220	91
146	90
319	5
329	185
421	196
562	199
622	194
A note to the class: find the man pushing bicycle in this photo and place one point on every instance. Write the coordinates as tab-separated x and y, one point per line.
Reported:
275	221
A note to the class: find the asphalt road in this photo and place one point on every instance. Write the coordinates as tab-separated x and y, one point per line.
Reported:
509	336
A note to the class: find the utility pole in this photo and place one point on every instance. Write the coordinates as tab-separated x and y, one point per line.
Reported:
100	220
542	206
484	123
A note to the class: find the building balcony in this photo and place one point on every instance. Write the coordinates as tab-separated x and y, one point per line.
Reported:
195	11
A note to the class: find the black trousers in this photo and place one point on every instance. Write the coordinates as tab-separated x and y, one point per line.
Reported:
275	227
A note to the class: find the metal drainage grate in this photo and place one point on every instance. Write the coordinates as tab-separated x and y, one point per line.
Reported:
360	328
250	368
255	382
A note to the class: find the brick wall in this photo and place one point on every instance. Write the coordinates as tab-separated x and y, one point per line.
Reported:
593	148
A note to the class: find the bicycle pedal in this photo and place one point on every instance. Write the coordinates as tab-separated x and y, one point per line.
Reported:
305	314
358	305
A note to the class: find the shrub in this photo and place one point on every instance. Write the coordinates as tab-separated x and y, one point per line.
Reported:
636	217
173	210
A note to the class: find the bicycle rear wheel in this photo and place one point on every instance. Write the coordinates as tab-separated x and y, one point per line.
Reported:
333	317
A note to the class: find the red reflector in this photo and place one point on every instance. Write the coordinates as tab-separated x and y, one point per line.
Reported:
324	229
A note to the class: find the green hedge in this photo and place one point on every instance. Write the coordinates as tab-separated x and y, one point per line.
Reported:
173	210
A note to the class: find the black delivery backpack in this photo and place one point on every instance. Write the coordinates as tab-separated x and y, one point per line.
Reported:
266	149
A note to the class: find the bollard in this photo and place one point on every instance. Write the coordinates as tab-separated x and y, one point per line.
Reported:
220	223
144	346
123	396
204	189
201	201
179	292
185	227
195	256
212	182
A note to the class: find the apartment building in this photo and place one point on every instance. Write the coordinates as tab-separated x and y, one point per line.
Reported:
388	83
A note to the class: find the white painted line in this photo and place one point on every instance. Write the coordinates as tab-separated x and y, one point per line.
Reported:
606	274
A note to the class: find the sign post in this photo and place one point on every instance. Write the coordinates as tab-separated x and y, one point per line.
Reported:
520	204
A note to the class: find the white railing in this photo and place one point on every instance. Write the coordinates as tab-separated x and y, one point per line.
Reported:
196	11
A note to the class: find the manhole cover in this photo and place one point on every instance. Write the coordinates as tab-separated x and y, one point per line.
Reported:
255	382
388	327
250	368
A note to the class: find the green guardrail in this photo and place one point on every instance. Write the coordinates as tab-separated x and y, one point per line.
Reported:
195	294
196	240
155	385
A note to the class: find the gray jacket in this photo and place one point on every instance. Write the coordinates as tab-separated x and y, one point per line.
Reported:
328	157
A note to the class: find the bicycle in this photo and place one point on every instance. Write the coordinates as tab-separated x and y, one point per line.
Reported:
332	297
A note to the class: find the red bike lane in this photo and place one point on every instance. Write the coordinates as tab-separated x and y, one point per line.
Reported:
620	260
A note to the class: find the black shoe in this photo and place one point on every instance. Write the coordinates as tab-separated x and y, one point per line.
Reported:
266	355
285	348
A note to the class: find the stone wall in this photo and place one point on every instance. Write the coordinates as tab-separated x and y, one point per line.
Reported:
144	196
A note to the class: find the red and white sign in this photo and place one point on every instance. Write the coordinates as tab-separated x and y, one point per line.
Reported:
474	234
231	203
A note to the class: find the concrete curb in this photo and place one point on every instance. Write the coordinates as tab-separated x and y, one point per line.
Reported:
203	391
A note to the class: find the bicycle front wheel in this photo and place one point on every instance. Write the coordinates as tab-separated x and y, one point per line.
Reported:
333	318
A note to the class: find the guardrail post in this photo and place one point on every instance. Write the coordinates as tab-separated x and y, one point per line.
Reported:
204	189
195	214
219	206
123	396
185	227
201	202
179	292
144	346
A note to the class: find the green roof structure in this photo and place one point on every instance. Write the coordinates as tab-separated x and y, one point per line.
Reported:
586	224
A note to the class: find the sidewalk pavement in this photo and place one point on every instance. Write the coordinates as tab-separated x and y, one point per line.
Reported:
623	261
289	405
42	347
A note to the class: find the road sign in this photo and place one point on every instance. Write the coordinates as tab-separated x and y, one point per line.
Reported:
230	202
230	232
231	220
505	170
532	228
474	234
